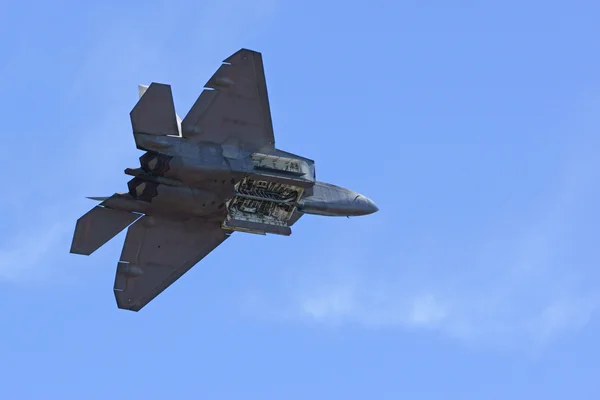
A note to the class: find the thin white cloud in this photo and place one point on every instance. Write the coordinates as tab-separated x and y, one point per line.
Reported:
27	249
563	315
427	311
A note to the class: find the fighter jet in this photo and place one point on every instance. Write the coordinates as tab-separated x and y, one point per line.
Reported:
202	178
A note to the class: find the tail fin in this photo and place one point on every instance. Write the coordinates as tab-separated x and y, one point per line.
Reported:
97	227
154	113
142	89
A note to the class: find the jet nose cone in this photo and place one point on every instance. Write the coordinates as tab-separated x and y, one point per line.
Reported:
371	206
366	205
374	207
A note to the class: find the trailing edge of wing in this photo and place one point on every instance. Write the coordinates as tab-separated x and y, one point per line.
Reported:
154	113
97	227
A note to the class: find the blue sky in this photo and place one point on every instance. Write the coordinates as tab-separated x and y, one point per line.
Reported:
472	125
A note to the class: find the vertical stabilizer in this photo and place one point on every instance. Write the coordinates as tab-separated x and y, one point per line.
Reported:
154	113
142	89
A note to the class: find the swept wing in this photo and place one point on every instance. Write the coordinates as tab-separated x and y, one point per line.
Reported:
159	251
234	107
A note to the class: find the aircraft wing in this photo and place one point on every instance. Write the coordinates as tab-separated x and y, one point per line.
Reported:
156	253
234	107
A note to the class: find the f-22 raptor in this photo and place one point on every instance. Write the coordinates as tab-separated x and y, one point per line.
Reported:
202	178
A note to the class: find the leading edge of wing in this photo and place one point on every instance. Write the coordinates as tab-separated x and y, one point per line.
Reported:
156	253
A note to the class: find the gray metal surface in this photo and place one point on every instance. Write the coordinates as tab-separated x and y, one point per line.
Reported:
234	108
203	178
97	227
154	114
157	252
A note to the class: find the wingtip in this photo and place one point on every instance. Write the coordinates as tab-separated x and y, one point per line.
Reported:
98	198
235	57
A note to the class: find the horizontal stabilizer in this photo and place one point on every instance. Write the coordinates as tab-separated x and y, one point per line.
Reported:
97	227
154	113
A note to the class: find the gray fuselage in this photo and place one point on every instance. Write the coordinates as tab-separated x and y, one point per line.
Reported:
211	180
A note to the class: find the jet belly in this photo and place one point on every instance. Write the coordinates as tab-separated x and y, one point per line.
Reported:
196	171
181	200
331	200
